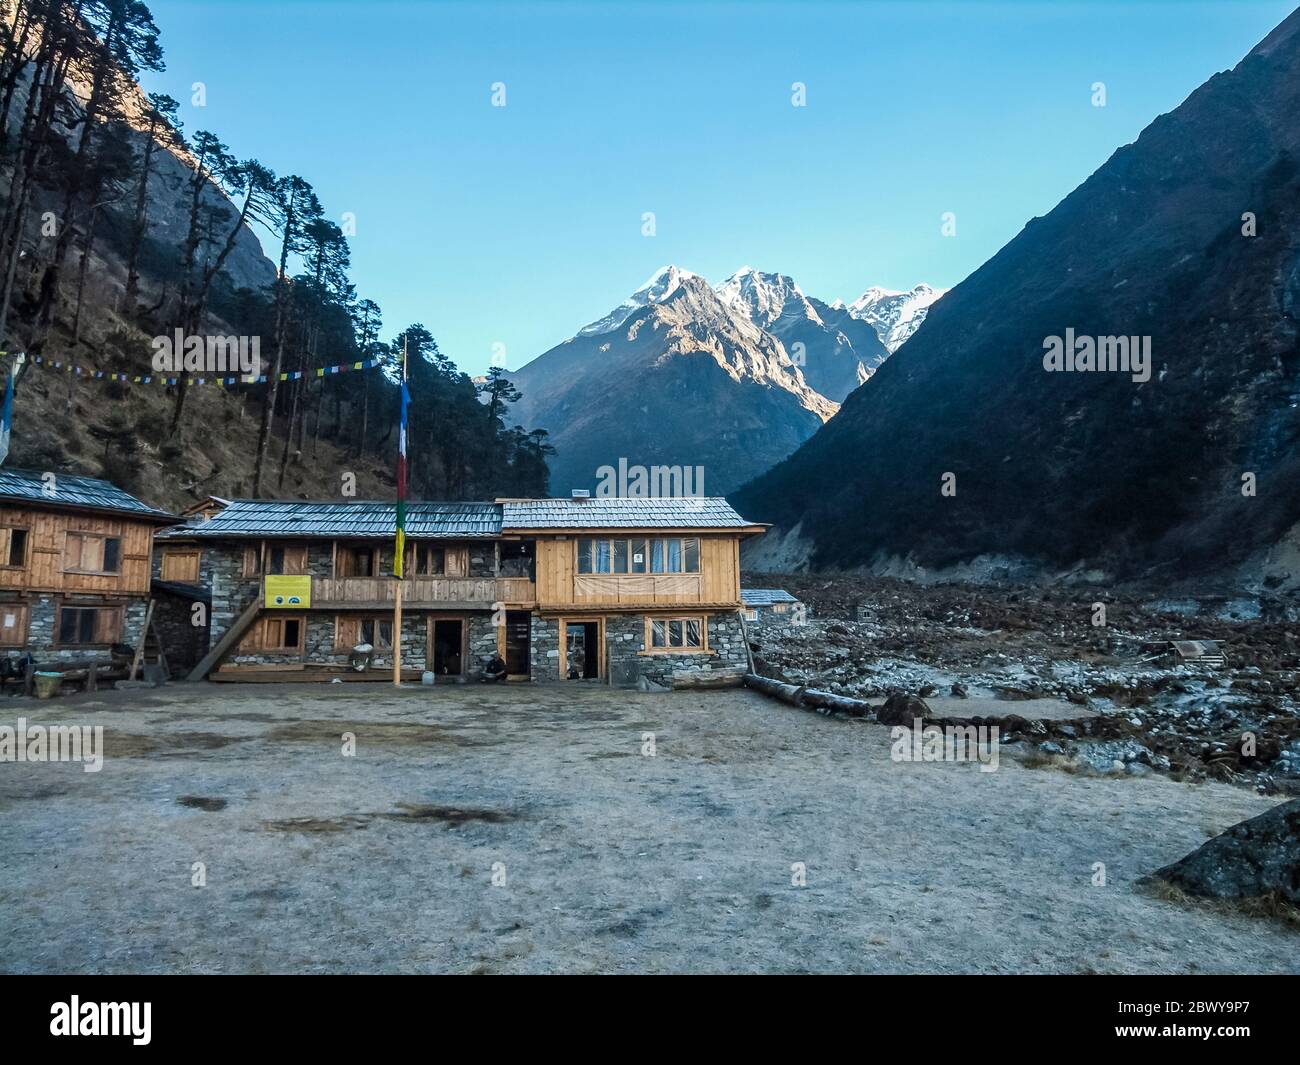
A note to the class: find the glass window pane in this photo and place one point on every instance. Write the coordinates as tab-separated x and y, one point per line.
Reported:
640	561
602	556
656	556
385	634
112	552
674	556
674	634
691	550
86	626
620	556
693	633
658	633
584	556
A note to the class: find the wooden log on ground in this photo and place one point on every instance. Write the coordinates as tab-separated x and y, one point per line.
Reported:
832	703
787	693
706	679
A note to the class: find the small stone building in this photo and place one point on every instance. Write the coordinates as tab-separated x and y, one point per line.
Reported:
771	606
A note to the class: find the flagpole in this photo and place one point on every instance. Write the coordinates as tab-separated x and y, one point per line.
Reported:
399	549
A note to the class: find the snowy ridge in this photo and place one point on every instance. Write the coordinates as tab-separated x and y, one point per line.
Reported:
894	316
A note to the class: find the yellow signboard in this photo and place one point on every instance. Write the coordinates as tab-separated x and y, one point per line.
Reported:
287	591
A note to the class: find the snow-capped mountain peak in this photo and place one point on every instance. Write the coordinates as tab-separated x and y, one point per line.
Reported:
660	285
763	298
894	315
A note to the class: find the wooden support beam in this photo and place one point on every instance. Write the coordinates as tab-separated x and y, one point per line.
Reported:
232	636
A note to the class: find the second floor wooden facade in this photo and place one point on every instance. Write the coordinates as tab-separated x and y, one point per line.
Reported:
490	555
68	535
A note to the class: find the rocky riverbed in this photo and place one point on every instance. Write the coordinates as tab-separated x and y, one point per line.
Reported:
1237	722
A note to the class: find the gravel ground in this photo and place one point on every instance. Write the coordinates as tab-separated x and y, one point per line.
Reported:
612	860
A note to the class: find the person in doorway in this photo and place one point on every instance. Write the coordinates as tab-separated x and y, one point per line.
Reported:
577	664
494	671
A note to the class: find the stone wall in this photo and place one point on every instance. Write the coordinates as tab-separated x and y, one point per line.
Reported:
42	618
544	649
184	643
625	641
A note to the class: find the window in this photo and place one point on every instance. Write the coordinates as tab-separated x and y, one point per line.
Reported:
275	634
355	562
181	566
13	624
675	634
89	626
350	631
286	559
651	555
13	547
378	633
430	561
751	615
638	556
91	553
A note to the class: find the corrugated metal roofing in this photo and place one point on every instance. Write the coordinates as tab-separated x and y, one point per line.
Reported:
679	512
362	519
765	596
70	490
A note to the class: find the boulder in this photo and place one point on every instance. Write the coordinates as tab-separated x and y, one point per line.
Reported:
902	709
1254	859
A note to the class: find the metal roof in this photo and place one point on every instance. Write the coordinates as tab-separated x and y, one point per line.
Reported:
54	489
765	596
677	512
355	518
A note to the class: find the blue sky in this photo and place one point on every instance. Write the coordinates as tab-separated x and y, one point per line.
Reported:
518	225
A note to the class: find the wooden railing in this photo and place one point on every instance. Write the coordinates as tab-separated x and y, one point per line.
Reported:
423	591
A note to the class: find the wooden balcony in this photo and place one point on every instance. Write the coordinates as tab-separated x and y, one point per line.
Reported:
422	593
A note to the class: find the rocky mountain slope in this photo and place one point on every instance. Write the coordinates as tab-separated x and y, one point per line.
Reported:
1191	470
679	379
64	421
835	350
782	362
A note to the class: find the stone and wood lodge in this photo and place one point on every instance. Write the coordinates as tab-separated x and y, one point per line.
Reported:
595	589
74	565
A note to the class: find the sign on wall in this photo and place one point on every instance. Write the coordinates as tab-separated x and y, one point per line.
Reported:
287	591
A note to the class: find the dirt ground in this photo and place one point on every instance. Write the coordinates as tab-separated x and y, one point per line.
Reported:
606	859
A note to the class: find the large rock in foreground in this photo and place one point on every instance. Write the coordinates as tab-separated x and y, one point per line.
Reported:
1254	859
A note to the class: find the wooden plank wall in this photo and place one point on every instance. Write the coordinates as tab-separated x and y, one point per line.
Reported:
46	535
717	582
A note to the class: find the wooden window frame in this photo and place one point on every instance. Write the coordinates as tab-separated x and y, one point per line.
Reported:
114	608
257	558
585	545
351	623
413	569
356	549
281	648
103	539
5	547
23	613
177	552
671	649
